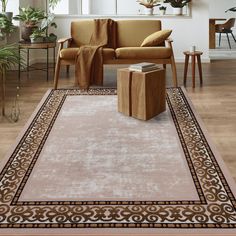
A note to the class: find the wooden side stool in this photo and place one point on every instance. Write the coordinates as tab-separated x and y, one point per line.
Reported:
141	95
193	59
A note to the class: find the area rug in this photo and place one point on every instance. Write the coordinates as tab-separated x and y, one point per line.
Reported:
81	168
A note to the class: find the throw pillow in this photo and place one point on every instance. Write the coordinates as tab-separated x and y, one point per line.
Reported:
156	38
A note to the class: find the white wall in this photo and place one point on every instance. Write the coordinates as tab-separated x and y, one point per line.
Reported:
191	31
218	8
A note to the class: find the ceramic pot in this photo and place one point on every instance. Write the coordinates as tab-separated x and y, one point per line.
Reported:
52	38
148	11
177	11
162	12
37	40
26	31
9	15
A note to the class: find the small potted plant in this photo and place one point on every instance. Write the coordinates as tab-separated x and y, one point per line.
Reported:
30	17
162	10
149	5
37	36
177	5
4	10
40	34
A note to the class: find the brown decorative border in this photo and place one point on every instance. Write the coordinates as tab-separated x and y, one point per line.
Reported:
214	209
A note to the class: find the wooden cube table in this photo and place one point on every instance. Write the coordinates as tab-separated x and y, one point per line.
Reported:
141	95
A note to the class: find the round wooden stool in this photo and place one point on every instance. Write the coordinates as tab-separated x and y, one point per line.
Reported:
193	59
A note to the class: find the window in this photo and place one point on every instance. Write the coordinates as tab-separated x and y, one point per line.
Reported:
97	7
106	7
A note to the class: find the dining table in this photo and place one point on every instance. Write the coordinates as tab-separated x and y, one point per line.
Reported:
212	31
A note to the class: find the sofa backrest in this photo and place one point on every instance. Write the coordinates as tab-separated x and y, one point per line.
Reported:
130	33
81	31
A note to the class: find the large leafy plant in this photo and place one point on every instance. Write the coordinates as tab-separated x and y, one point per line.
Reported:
9	57
30	16
6	26
177	3
42	30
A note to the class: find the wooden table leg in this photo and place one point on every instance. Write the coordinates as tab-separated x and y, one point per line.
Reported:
186	68
200	68
27	59
47	63
193	69
19	64
54	61
212	36
3	91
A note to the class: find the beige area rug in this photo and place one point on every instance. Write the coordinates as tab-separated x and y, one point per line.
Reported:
80	167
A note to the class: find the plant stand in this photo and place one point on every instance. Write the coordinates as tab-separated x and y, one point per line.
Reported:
44	45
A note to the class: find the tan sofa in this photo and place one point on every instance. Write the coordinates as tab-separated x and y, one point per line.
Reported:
130	35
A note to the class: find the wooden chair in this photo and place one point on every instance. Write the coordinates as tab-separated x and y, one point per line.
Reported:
226	28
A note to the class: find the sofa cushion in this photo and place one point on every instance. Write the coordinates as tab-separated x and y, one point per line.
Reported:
70	53
156	38
131	33
143	53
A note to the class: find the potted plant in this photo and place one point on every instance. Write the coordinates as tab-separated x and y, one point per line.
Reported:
30	17
4	10
9	58
177	5
162	10
6	26
149	5
37	36
40	34
45	24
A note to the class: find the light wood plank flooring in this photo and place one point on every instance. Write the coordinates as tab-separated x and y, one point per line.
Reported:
215	103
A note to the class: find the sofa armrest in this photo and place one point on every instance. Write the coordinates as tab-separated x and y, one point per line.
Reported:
169	42
63	40
61	43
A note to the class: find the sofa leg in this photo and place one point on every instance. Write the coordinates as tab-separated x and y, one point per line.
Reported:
57	72
174	72
67	69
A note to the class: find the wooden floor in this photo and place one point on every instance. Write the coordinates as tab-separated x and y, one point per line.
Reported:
215	103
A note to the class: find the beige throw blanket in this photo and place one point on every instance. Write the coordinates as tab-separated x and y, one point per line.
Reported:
89	60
